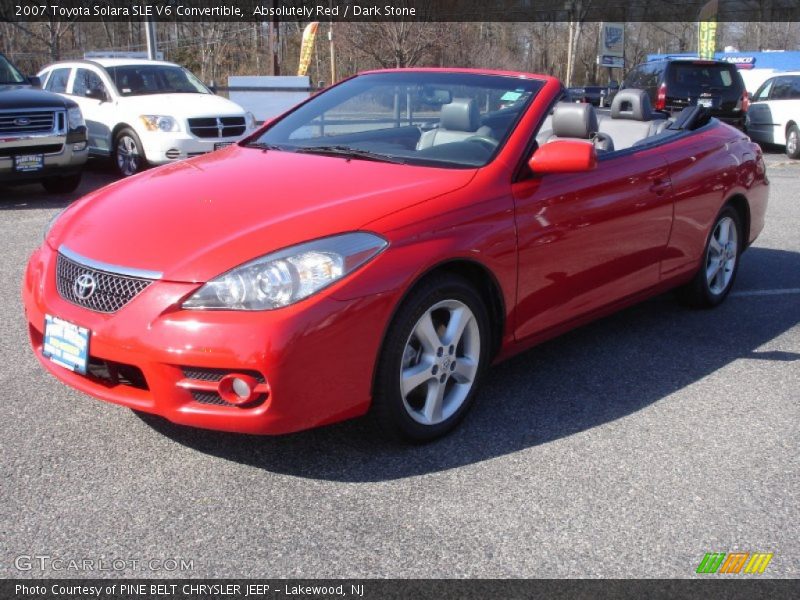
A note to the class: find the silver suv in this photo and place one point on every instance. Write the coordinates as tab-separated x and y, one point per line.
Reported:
42	135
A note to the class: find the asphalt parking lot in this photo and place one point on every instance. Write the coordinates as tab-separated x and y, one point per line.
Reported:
628	448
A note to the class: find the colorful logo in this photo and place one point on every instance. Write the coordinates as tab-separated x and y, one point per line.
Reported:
719	562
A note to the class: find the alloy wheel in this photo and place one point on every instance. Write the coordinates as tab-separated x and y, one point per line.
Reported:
129	157
440	362
723	252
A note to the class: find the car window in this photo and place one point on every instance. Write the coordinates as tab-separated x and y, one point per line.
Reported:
85	80
447	119
9	73
140	80
634	77
58	80
762	93
786	88
689	78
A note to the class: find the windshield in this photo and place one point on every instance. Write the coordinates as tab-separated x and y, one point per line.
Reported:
9	73
140	80
439	119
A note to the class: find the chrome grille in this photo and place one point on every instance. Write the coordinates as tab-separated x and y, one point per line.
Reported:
26	122
111	291
217	127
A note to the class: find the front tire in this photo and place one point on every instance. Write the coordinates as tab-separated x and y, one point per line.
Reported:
62	185
793	141
433	358
717	273
129	157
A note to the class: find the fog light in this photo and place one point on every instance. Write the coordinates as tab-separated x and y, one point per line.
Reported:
237	389
79	146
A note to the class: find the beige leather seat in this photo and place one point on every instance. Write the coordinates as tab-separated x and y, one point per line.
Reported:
632	119
578	121
458	121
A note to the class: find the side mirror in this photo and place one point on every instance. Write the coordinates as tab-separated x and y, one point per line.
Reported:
35	81
564	156
97	94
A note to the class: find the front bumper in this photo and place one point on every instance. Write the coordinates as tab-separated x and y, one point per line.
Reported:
316	358
161	148
62	156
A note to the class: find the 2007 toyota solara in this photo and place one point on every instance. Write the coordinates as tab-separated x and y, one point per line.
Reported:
377	247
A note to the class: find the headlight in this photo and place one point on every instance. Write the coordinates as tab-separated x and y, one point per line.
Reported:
287	276
50	223
75	117
250	120
159	123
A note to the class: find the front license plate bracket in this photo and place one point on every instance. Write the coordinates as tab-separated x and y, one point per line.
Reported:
66	344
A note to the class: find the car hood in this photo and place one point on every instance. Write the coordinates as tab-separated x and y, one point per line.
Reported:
181	105
195	219
24	97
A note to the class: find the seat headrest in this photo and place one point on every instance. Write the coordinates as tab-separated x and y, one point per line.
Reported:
574	120
631	104
460	115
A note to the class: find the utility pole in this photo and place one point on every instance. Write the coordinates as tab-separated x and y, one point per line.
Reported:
150	34
333	52
274	42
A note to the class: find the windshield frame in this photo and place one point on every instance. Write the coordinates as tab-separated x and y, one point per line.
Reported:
14	71
111	72
533	84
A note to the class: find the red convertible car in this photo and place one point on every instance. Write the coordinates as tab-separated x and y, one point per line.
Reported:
377	247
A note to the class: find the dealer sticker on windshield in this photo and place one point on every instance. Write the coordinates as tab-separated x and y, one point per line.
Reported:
66	344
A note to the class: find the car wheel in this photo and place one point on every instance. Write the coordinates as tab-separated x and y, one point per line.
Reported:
129	156
62	185
793	142
434	355
715	278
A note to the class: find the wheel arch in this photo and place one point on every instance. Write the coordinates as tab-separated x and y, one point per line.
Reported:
486	284
117	128
740	204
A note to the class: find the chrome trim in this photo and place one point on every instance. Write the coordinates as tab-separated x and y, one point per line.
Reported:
108	268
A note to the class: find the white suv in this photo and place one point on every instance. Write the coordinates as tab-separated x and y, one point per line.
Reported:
142	112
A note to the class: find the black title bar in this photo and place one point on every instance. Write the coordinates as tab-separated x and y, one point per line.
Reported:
394	10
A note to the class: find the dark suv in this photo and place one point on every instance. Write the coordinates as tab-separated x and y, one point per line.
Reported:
674	84
42	135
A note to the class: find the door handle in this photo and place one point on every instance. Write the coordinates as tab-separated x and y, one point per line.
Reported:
659	186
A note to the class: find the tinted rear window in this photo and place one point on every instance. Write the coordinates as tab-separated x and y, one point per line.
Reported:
689	79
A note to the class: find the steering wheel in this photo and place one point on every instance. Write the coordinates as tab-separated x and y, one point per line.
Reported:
490	143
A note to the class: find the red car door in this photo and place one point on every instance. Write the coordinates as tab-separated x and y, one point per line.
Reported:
589	239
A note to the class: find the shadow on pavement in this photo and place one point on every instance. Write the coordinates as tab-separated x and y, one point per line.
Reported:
588	377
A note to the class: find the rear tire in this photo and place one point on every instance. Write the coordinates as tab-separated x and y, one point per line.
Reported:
793	141
717	273
62	185
434	355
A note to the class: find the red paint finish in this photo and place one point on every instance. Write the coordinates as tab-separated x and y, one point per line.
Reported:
563	157
560	248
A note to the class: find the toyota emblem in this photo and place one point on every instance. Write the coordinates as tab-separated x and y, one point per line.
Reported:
84	286
22	121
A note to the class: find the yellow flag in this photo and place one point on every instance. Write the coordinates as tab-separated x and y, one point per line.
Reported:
307	47
707	30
